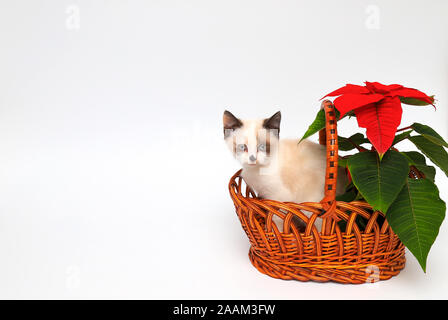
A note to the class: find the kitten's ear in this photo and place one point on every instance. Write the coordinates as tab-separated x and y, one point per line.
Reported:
230	123
273	123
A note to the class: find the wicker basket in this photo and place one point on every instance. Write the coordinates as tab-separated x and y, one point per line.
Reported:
354	255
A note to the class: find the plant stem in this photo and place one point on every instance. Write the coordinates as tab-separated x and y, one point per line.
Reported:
360	149
406	128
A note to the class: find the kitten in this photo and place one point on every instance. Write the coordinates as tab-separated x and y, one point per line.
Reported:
278	169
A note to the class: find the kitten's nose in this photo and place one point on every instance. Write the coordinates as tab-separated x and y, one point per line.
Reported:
252	157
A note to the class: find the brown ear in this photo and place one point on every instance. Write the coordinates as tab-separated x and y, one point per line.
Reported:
273	123
230	122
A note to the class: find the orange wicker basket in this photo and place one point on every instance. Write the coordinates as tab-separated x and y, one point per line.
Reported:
351	255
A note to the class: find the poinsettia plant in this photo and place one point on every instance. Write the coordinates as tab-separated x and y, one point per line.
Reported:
384	176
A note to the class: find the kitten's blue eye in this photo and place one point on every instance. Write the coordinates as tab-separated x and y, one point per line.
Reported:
262	147
241	147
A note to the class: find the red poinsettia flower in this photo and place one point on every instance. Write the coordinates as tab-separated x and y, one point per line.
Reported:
377	108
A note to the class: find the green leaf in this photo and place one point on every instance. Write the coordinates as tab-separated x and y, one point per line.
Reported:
400	137
360	221
379	182
419	161
434	152
318	123
348	196
430	134
346	144
342	162
415	102
416	216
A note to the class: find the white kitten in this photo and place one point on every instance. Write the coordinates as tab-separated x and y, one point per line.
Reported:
278	169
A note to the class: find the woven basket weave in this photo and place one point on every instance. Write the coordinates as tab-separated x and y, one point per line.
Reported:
354	255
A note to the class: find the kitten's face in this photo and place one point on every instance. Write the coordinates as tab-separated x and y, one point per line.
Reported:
252	142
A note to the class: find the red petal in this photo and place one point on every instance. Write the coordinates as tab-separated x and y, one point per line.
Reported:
411	93
349	88
350	101
381	88
381	120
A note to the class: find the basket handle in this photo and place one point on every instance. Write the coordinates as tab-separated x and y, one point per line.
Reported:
329	137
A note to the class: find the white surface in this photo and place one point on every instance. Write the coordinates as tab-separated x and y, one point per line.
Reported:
113	173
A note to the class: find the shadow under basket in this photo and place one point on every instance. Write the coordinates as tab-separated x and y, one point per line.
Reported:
355	245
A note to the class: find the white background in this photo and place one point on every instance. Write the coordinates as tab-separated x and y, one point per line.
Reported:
113	172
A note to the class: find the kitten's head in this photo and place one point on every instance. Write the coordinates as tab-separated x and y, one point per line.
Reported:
252	142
